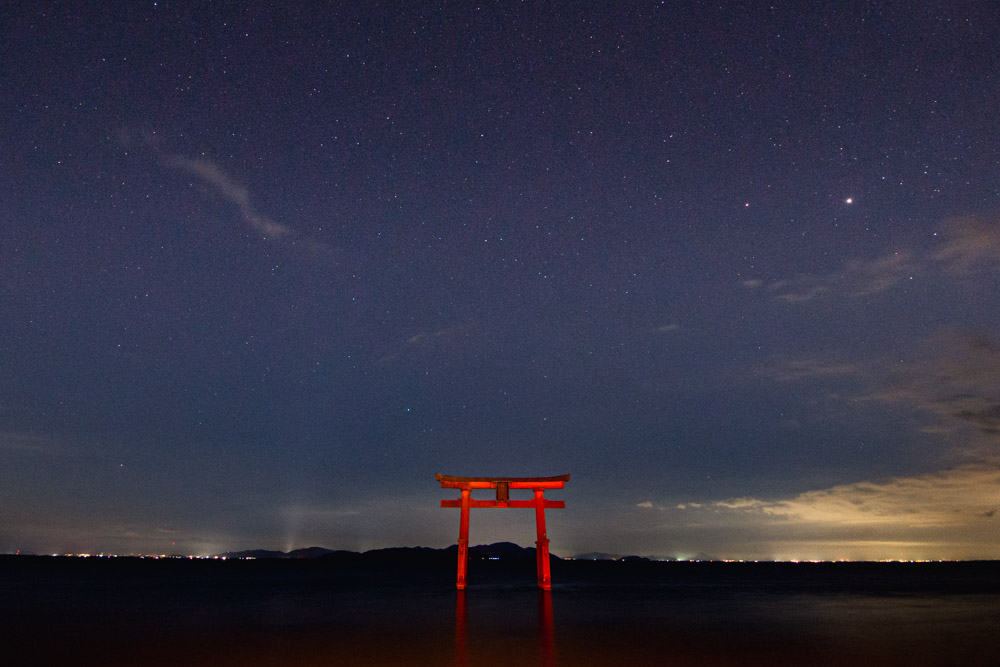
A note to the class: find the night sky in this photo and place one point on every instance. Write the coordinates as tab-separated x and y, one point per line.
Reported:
265	271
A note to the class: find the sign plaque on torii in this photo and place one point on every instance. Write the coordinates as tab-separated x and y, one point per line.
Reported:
503	485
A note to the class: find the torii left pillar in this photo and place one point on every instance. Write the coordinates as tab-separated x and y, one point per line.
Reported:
538	486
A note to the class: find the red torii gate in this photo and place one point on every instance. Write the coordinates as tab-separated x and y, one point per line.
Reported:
503	485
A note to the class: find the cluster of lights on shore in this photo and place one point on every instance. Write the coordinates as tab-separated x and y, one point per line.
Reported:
147	556
619	560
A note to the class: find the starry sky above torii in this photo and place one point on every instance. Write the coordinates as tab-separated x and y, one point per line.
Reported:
264	271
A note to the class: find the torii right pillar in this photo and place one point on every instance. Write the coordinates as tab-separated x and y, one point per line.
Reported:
542	543
538	486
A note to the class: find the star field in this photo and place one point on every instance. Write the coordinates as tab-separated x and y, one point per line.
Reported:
264	271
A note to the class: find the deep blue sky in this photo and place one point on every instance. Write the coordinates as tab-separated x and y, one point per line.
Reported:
264	271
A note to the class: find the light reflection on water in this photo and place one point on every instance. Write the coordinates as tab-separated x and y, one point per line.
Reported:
776	616
545	648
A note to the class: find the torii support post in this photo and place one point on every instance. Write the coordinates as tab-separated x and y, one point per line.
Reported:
503	485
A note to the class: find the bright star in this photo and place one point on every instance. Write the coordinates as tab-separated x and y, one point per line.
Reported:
849	200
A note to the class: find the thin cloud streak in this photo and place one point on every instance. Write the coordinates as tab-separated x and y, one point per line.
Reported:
954	497
212	174
786	369
955	378
858	278
968	245
424	341
946	514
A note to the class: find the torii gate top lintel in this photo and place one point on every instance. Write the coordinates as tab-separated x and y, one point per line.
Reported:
454	482
539	503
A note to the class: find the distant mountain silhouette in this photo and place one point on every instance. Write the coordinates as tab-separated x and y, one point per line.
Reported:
308	552
597	555
426	557
253	553
502	551
601	555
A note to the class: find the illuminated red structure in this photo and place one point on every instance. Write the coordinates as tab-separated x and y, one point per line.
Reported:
503	485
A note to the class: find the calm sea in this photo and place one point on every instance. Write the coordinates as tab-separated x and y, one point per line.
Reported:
171	612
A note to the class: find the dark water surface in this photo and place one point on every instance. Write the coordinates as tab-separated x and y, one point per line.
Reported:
177	612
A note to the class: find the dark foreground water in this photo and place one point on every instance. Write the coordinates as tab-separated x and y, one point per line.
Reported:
129	612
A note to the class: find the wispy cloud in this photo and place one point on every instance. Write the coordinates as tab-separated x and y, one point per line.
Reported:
857	278
424	337
955	378
951	513
803	289
424	340
788	369
213	175
226	186
967	245
959	496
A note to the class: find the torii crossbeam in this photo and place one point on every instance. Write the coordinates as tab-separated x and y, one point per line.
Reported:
503	485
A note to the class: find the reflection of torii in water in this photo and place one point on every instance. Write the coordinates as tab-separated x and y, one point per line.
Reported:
503	485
